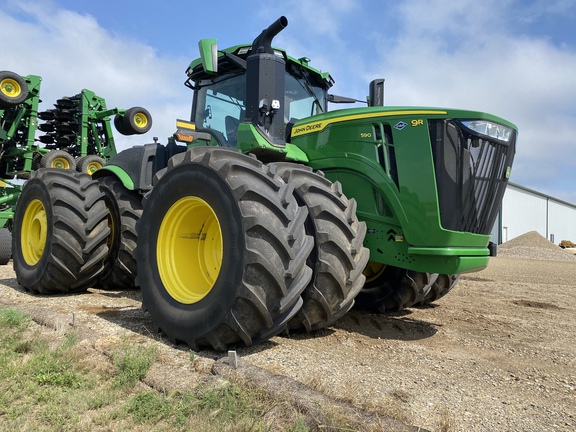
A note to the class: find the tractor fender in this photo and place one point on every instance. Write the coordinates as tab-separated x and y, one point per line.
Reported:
136	166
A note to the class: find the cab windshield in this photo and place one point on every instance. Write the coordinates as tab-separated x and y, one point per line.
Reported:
303	99
220	104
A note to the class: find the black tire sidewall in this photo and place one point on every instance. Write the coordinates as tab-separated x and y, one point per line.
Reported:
177	319
30	276
120	126
5	246
106	186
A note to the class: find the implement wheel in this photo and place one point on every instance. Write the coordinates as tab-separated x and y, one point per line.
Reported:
58	159
13	89
223	257
125	209
391	289
60	234
338	257
136	120
89	164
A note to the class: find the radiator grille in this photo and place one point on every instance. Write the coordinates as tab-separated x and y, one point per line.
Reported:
471	175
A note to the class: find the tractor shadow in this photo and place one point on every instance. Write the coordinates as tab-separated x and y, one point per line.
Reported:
13	283
393	325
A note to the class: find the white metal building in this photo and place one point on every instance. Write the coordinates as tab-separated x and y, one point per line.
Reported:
525	210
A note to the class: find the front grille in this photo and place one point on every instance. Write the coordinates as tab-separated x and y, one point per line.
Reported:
471	175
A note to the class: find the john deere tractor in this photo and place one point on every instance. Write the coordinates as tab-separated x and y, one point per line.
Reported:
265	212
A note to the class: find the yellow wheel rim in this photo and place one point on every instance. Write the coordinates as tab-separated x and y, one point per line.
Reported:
10	87
140	120
93	167
373	271
61	163
34	231
189	250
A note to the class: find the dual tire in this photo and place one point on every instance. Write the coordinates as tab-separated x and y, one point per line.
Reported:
338	257
223	260
60	232
392	289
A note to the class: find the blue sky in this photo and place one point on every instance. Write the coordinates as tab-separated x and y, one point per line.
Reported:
512	58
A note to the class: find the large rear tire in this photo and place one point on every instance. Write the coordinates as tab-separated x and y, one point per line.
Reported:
59	239
223	258
338	257
125	209
391	289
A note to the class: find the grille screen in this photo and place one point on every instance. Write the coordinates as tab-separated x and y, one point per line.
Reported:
471	175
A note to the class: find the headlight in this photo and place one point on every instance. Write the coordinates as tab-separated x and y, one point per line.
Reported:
493	130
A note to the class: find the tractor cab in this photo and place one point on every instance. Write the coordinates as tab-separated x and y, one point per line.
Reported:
249	96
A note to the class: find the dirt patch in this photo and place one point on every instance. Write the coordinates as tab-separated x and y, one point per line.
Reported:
535	304
497	353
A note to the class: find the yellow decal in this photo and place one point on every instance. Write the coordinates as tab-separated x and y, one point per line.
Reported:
318	126
418	122
185	124
365	135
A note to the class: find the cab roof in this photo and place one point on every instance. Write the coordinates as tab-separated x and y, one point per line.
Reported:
297	67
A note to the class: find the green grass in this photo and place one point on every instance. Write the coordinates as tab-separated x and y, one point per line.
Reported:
49	381
132	364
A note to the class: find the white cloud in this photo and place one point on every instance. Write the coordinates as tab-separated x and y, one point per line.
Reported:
462	55
71	52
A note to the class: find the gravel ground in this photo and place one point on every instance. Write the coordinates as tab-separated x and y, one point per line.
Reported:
496	354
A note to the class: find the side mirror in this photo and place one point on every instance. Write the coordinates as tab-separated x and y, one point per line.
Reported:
209	54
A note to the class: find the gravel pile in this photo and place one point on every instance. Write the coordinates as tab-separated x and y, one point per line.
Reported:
534	246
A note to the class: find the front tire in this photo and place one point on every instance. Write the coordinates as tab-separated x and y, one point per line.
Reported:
392	289
442	286
59	239
223	258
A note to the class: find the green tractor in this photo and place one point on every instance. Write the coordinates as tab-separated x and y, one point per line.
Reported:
267	213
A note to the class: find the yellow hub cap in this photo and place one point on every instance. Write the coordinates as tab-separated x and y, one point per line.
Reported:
61	163
93	167
10	87
373	271
140	120
34	231
189	250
